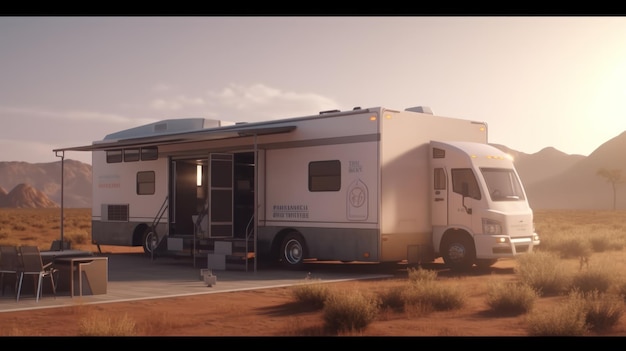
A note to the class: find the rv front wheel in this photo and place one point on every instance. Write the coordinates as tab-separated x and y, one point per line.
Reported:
458	253
292	251
150	240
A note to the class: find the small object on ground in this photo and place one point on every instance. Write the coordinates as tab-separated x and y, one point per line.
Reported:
208	277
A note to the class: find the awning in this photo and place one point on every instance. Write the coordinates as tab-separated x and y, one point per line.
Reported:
235	131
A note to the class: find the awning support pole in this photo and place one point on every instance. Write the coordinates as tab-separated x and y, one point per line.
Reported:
256	199
61	154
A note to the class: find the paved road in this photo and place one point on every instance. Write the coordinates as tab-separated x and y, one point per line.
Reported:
133	276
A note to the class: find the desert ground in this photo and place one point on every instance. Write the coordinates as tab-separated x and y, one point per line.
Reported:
275	312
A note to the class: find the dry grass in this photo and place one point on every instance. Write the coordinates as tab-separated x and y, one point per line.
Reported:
159	324
556	270
347	312
312	293
99	324
40	227
26	226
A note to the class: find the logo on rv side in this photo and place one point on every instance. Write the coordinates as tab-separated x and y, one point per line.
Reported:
356	201
109	181
290	211
354	167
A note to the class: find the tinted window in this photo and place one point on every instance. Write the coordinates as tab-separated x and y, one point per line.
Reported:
145	183
464	177
325	176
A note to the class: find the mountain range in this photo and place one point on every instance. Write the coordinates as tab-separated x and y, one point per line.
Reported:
555	180
552	180
35	185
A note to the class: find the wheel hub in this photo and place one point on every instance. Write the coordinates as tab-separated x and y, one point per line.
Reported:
456	252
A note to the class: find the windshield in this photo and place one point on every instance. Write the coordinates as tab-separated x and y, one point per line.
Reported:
503	184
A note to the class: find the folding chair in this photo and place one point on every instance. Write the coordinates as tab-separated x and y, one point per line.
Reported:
9	264
32	264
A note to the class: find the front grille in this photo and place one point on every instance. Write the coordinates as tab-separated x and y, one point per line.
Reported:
502	250
521	248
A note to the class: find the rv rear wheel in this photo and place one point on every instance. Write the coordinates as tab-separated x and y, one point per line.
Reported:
459	253
150	240
292	251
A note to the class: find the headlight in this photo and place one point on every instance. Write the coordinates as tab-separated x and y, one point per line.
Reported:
502	240
491	227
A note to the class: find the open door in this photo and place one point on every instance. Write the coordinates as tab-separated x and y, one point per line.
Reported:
187	194
221	195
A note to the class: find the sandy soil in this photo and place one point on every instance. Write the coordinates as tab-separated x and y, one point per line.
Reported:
273	312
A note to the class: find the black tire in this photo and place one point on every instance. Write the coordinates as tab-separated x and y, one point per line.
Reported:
292	251
459	253
149	242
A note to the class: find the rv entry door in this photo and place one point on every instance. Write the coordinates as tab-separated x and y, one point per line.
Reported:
221	195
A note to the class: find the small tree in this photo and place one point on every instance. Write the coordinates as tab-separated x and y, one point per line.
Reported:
613	176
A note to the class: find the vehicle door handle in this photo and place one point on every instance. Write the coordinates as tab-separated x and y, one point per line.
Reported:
439	199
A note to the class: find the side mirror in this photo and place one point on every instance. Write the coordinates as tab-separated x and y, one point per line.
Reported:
465	193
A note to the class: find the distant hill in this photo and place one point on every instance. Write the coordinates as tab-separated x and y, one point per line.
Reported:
46	178
25	196
578	186
548	162
552	179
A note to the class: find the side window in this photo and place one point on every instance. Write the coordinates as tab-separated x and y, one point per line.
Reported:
465	176
439	179
114	156
325	176
149	153
145	183
131	155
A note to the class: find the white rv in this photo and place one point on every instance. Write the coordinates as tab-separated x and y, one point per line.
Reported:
373	185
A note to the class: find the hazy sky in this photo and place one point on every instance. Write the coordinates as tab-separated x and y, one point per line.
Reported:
536	81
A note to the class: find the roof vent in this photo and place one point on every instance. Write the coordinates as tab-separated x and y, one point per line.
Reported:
329	111
420	109
160	127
